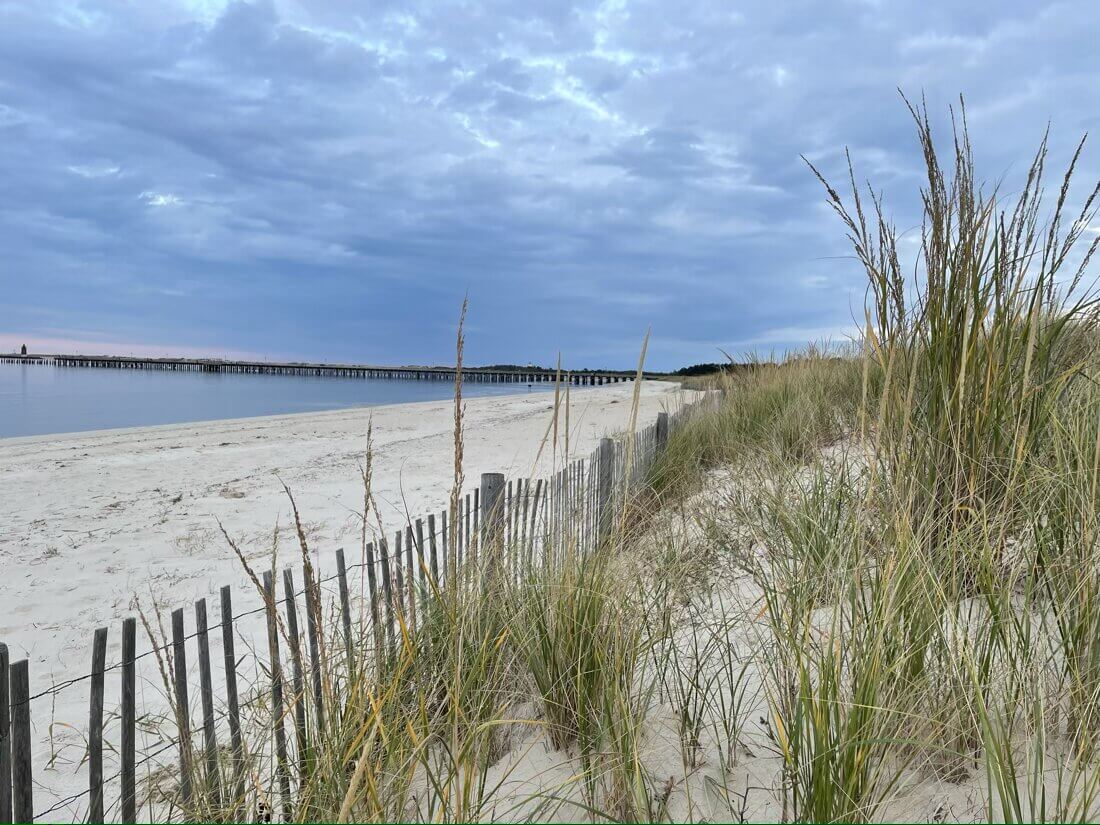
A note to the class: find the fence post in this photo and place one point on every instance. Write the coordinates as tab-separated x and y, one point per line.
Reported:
534	524
95	727
375	614
422	563
345	609
525	505
662	432
445	542
21	781
183	709
5	739
491	497
434	554
387	593
466	534
410	585
605	462
491	500
509	513
129	721
399	587
295	642
313	619
277	693
230	657
475	533
206	689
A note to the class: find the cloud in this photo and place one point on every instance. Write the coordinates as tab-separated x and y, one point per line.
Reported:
326	180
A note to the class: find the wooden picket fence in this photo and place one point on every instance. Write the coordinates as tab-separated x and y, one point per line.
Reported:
532	519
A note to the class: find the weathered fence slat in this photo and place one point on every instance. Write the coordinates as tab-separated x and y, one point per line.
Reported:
444	539
466	535
345	609
183	708
511	508
518	522
491	498
521	536
474	532
387	593
277	706
5	739
313	619
533	524
410	560
422	566
575	510
568	532
22	793
95	727
295	642
557	497
554	527
206	690
375	618
230	658
521	547
509	513
580	528
128	754
557	527
456	540
606	459
569	537
399	583
577	489
433	550
586	528
524	532
578	511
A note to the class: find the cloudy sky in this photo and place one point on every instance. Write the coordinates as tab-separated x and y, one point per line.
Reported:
325	179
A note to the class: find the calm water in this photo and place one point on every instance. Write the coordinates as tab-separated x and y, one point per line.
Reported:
36	400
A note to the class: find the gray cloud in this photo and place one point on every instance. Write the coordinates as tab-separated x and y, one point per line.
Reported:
327	179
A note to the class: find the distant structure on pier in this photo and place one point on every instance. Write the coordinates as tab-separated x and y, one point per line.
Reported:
23	350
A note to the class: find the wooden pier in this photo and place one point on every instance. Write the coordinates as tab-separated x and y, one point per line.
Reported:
531	375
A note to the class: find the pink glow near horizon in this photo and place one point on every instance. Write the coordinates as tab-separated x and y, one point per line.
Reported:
11	342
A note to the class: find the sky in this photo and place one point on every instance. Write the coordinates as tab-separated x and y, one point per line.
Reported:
326	180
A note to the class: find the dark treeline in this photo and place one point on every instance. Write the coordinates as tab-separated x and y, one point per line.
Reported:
711	368
534	369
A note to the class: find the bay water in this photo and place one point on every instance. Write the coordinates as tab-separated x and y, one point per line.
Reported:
42	399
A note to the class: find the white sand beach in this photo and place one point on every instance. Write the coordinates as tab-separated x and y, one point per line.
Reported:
89	520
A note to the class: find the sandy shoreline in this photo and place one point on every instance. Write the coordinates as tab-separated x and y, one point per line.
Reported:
91	519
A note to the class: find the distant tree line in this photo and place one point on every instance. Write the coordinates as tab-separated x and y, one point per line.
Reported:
516	367
711	368
534	369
